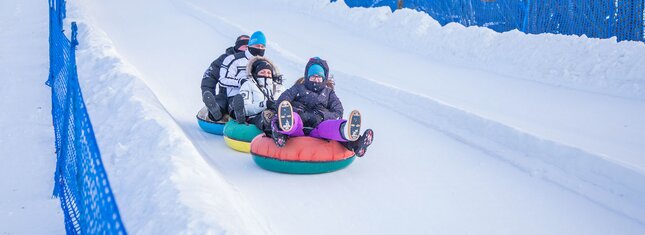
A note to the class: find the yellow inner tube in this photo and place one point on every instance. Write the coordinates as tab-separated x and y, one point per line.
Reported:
237	145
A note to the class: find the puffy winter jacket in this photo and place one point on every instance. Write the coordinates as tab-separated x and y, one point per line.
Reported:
255	96
211	76
324	103
233	70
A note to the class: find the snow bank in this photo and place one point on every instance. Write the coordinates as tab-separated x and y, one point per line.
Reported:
161	182
597	65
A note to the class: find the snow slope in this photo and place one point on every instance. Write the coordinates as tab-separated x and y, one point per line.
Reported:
440	160
27	158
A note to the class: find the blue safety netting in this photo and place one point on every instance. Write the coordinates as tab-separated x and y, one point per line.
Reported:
80	179
624	19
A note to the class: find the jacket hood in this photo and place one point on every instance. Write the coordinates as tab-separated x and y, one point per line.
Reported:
249	65
230	50
318	61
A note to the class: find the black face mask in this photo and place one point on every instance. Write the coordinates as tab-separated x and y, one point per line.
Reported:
314	86
256	52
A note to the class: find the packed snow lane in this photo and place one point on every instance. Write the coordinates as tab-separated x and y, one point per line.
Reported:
27	150
413	180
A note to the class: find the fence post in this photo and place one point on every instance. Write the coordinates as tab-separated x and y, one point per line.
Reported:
399	4
73	41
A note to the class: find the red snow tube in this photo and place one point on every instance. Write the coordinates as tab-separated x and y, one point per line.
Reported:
301	155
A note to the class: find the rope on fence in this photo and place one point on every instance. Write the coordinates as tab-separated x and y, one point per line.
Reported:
80	179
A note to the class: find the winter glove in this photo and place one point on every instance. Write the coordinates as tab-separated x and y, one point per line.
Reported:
314	106
321	111
321	108
311	119
298	107
270	104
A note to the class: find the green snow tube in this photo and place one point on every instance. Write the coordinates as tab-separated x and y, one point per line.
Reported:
239	136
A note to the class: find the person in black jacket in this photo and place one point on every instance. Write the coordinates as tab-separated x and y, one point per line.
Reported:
214	96
233	72
310	107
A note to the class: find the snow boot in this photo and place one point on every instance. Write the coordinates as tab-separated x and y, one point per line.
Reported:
285	116
360	145
237	106
266	118
279	139
214	111
352	129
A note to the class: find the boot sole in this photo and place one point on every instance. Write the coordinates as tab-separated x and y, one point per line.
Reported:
211	104
285	116
354	127
279	141
238	108
366	142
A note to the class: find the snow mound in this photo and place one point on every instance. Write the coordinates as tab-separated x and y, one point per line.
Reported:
597	65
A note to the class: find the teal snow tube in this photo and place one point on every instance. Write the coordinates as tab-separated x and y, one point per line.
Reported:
239	136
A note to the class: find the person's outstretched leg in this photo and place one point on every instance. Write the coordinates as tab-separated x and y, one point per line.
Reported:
329	129
289	122
286	124
361	144
339	130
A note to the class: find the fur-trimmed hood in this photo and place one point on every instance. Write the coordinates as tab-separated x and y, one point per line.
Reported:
276	71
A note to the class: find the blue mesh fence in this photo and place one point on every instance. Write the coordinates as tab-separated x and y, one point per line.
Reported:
624	19
80	179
